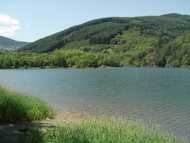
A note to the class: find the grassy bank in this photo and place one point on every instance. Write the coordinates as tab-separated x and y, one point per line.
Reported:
15	107
98	131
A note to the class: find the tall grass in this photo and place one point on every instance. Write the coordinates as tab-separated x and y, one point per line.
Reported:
15	107
99	131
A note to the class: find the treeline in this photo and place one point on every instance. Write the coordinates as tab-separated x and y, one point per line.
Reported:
59	58
81	59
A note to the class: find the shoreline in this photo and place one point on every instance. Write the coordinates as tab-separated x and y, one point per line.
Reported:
102	67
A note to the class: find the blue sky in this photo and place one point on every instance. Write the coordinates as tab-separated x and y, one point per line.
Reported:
29	20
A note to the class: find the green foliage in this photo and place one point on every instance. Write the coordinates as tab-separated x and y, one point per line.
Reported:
15	107
99	131
176	53
24	60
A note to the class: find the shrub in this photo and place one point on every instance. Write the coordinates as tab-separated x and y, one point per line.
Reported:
15	107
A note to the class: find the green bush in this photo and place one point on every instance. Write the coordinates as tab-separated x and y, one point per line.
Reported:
15	107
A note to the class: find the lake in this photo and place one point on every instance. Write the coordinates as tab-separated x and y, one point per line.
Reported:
152	95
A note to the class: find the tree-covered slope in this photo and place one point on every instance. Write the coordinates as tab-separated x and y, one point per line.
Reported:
104	31
177	52
160	41
7	44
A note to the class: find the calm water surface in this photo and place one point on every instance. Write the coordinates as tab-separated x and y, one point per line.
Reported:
157	96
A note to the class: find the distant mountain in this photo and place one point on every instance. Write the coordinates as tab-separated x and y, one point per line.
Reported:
7	44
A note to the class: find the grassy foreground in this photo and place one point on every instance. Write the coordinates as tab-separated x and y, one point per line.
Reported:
15	107
98	131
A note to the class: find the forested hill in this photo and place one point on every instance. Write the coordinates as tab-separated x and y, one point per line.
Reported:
161	41
7	44
115	31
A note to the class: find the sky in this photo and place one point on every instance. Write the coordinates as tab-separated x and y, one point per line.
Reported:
29	20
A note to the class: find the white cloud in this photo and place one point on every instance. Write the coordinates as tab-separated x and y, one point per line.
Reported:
8	25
